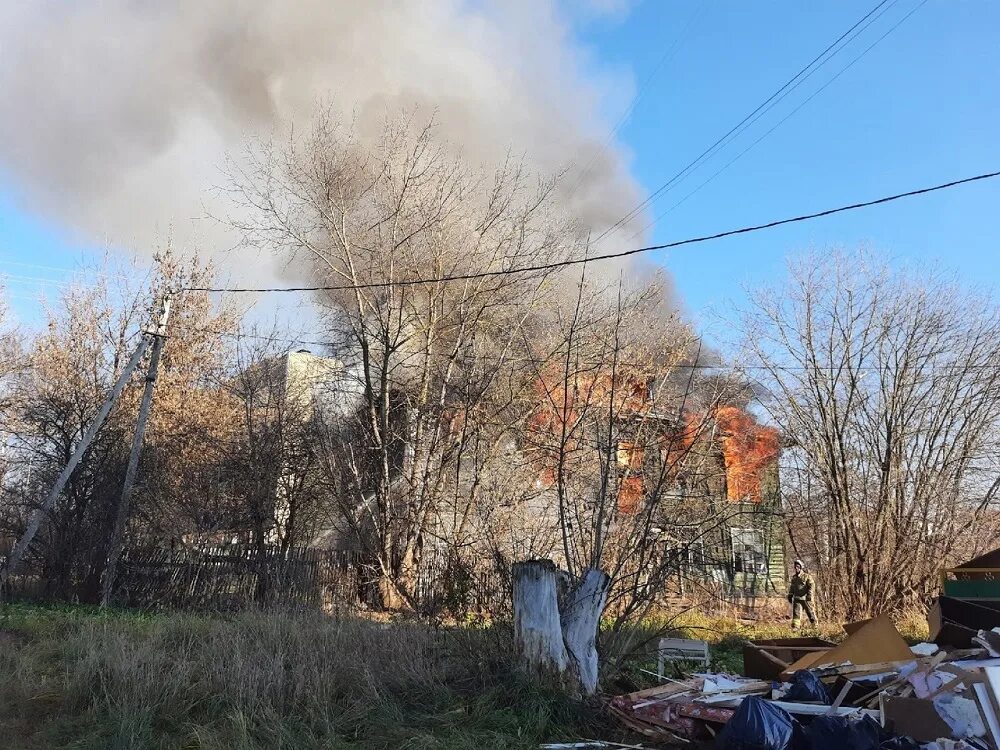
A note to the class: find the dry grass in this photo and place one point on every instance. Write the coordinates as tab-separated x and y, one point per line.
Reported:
81	679
267	681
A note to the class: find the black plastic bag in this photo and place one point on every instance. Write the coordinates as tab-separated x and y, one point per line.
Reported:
898	742
807	687
758	725
841	733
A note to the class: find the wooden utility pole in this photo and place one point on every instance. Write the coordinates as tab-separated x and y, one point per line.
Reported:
121	519
14	559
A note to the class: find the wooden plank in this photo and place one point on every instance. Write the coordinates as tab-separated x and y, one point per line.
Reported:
840	696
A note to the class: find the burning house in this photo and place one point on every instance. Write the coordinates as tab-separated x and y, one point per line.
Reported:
707	478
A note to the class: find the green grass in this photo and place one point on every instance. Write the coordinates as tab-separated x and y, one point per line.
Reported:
76	678
83	679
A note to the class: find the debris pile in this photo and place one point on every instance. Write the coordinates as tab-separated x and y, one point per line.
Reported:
870	692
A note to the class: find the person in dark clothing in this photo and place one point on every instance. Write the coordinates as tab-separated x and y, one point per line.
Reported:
801	595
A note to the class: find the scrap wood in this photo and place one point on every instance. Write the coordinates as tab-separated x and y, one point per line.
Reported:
988	693
582	745
861	670
648	730
663	715
968	674
874	641
664	699
711	714
951	685
759	686
840	696
903	683
872	697
746	687
768	655
677	715
988	710
674	687
608	743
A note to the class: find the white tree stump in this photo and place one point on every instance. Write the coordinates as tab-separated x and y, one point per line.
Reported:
560	644
537	627
581	618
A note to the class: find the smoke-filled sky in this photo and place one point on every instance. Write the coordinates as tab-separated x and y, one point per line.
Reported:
116	115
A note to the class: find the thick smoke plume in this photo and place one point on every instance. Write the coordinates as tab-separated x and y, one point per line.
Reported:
116	115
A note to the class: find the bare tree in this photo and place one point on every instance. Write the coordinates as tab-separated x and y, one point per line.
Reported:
888	385
65	378
375	218
628	433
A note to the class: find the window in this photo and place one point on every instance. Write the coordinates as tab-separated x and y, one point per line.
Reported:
693	557
630	455
749	553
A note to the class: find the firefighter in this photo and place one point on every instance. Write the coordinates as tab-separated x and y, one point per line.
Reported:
801	592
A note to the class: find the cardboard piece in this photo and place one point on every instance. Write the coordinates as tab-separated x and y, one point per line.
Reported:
853	627
913	717
871	642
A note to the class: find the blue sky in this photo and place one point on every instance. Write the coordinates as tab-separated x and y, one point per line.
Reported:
922	107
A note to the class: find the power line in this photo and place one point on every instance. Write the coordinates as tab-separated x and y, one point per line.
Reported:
255	336
780	93
558	357
783	120
606	256
83	271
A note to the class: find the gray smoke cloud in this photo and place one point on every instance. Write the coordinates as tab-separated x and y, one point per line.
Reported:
116	115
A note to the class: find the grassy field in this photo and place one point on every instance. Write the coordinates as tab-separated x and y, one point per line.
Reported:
83	679
75	678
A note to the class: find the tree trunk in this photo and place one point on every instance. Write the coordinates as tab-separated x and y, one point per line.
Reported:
581	618
538	637
554	643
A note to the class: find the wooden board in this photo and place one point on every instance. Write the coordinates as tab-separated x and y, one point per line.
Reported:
872	642
913	717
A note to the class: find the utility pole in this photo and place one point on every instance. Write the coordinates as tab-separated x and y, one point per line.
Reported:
14	559
121	519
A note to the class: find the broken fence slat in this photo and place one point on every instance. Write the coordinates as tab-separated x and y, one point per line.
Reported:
840	696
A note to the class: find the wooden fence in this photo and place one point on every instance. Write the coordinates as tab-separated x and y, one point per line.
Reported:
236	577
216	577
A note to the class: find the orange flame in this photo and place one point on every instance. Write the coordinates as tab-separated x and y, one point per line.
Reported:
748	450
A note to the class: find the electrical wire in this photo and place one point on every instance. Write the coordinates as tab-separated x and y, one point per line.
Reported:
786	88
559	358
595	258
780	122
